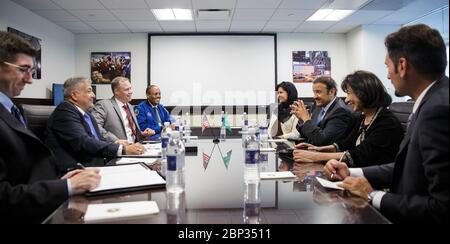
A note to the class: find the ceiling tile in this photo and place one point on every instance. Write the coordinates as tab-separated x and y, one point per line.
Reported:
176	26
37	4
213	26
292	14
79	4
303	4
347	4
342	27
366	16
273	4
157	4
213	4
93	15
77	27
250	26
413	11
108	26
133	14
386	5
124	4
281	26
315	26
56	15
143	26
253	14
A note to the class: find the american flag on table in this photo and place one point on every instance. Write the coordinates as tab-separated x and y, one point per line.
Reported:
205	122
206	159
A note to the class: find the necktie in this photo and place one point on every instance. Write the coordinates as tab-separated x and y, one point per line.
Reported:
320	117
16	112
155	109
130	121
88	120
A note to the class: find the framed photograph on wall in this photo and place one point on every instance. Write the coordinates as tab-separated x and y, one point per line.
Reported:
36	43
105	66
308	65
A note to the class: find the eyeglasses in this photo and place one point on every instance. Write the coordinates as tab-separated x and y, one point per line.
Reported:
23	69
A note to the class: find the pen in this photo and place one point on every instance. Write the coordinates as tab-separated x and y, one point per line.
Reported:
81	166
340	160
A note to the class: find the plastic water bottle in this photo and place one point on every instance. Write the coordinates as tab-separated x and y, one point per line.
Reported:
252	200
165	135
264	143
251	170
223	129
244	122
175	182
177	123
187	127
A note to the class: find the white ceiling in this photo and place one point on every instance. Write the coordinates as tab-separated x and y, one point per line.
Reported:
255	16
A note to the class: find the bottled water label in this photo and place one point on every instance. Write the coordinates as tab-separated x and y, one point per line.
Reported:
252	156
263	156
171	163
164	142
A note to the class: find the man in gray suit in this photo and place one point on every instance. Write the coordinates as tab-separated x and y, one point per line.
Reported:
115	117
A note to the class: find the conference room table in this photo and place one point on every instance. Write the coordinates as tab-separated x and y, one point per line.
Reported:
215	195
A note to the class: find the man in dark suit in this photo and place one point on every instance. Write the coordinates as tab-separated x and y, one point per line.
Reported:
330	120
418	179
115	117
29	188
73	134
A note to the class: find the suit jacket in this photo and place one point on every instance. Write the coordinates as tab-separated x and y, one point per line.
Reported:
29	189
146	118
381	142
419	177
70	138
335	125
110	122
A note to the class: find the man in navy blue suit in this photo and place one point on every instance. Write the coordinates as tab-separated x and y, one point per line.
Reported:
418	179
73	133
29	187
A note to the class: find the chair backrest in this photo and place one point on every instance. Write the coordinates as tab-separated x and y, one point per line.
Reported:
402	110
36	117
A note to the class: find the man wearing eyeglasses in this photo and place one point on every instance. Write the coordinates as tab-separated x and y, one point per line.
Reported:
29	187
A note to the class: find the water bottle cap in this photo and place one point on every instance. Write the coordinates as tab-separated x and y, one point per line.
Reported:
166	123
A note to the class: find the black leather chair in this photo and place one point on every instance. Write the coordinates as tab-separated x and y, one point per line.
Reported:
402	110
36	117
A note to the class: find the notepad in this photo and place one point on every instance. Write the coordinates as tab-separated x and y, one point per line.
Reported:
329	184
151	151
277	175
147	161
98	213
126	177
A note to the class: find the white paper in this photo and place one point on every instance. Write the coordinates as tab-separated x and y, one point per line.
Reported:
329	184
267	149
147	161
151	150
97	213
125	176
277	140
277	175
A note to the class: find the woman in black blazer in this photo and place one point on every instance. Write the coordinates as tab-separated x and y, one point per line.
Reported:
377	133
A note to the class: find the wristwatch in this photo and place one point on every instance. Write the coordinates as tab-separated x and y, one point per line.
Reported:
370	196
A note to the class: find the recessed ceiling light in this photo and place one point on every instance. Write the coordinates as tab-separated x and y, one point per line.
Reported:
330	15
172	14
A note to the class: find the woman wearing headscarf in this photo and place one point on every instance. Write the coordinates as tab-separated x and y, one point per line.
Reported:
282	124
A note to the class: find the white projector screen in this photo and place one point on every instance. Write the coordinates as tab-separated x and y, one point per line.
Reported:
204	70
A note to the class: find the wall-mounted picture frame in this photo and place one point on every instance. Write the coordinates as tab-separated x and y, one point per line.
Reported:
105	66
308	65
36	43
